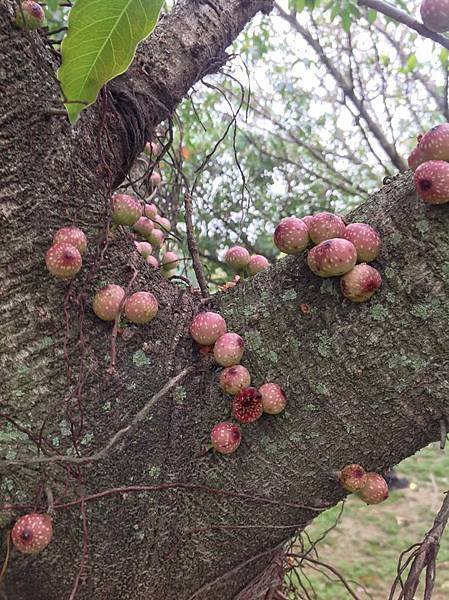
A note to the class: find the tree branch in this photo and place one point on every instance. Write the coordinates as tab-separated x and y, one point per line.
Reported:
402	17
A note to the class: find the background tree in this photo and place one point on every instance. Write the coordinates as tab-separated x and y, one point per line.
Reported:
152	515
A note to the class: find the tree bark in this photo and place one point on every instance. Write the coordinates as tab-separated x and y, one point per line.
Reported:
364	383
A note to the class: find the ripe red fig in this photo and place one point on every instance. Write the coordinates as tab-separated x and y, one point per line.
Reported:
434	145
332	257
170	261
32	533
365	239
153	262
30	15
273	398
162	223
144	226
257	263
291	236
353	478
150	211
361	283
228	350
141	307
156	237
237	258
126	209
225	437
375	489
106	302
144	249
207	327
63	260
307	220
435	15
234	379
326	226
155	178
247	405
432	181
71	235
415	159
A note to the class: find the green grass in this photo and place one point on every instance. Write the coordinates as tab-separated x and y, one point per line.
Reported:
366	544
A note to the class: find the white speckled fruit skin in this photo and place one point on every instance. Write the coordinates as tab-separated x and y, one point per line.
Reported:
228	349
141	307
273	398
38	530
237	257
360	283
225	437
435	15
233	379
434	145
325	226
257	263
375	489
106	302
207	327
291	236
365	239
332	258
432	181
63	260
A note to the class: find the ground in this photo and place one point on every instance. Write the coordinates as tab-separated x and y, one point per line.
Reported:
366	544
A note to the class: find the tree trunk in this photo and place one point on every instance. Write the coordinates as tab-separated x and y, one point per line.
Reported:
364	383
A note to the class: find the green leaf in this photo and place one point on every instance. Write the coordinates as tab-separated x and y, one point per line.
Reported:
372	16
100	44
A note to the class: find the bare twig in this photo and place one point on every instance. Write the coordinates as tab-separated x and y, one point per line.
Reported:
402	17
115	439
193	246
424	558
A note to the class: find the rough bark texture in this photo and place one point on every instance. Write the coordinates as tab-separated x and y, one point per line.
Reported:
365	383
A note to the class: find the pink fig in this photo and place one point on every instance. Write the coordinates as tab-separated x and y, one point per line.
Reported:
434	145
361	283
126	209
247	405
150	211
155	178
141	307
228	350
71	235
207	327
32	533
375	489
291	236
332	257
156	237
234	379
415	159
353	478
435	15
365	239
144	248
106	302
237	258
326	226
170	261
30	15
162	223
144	226
273	398
153	262
63	260
432	181
225	437
307	220
257	263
